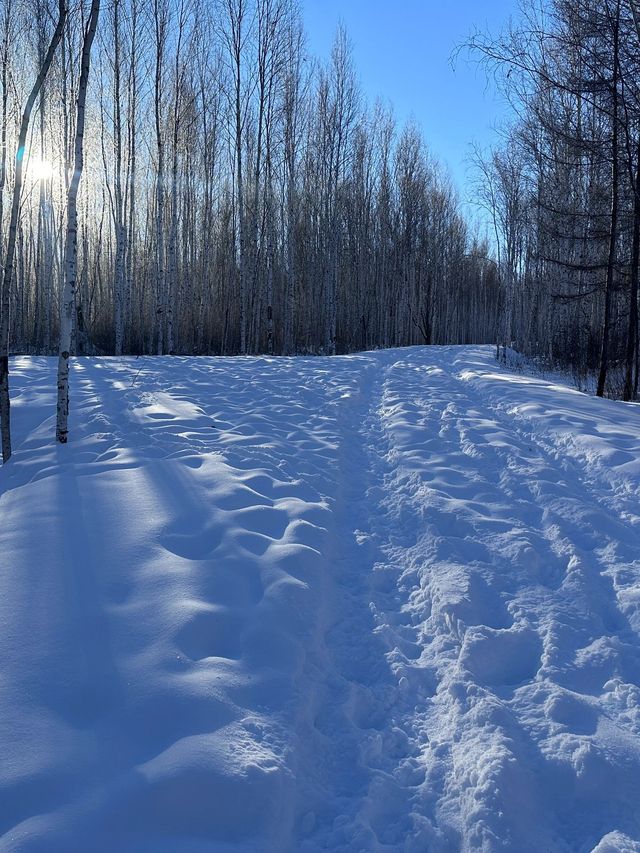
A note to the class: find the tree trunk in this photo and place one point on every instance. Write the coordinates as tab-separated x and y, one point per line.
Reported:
613	234
5	417
71	244
632	333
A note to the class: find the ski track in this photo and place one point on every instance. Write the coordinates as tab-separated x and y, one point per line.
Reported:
384	602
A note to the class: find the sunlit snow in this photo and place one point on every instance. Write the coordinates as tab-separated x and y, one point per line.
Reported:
380	602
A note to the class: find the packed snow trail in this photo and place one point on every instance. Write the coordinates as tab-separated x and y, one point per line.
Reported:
383	602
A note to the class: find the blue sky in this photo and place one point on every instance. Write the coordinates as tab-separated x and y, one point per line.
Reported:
402	51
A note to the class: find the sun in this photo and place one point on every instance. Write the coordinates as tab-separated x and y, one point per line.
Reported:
40	170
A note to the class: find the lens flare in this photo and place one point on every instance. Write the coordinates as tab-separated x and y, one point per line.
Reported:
40	170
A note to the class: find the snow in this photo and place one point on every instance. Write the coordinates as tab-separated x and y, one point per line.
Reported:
381	602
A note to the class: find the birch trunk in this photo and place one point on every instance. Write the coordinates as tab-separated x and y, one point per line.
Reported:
131	166
118	200
160	19
7	27
5	415
67	312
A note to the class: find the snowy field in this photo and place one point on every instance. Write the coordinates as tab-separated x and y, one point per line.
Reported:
385	602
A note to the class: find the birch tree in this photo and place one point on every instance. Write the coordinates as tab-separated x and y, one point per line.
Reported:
9	258
67	312
242	196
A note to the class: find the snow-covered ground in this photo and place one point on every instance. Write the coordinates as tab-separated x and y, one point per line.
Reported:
385	602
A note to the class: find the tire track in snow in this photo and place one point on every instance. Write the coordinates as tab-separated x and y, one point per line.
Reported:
356	705
608	509
490	541
581	519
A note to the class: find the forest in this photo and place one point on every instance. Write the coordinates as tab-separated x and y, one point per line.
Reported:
183	177
319	396
237	196
563	188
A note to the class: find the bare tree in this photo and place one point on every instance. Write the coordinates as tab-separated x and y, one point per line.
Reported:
67	312
5	419
243	198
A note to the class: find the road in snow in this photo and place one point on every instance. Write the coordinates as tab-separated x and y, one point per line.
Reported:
385	602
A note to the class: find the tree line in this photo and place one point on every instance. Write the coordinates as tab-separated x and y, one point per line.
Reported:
563	187
238	196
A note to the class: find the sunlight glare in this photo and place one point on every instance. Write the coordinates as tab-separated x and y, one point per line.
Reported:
40	170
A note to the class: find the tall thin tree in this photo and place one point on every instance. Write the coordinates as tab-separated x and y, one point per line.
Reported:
5	413
71	244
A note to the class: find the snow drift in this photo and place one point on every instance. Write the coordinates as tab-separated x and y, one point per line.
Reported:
384	602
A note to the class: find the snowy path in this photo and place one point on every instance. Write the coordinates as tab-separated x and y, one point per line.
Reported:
386	602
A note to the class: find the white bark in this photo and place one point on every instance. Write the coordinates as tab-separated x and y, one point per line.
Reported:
5	416
67	312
